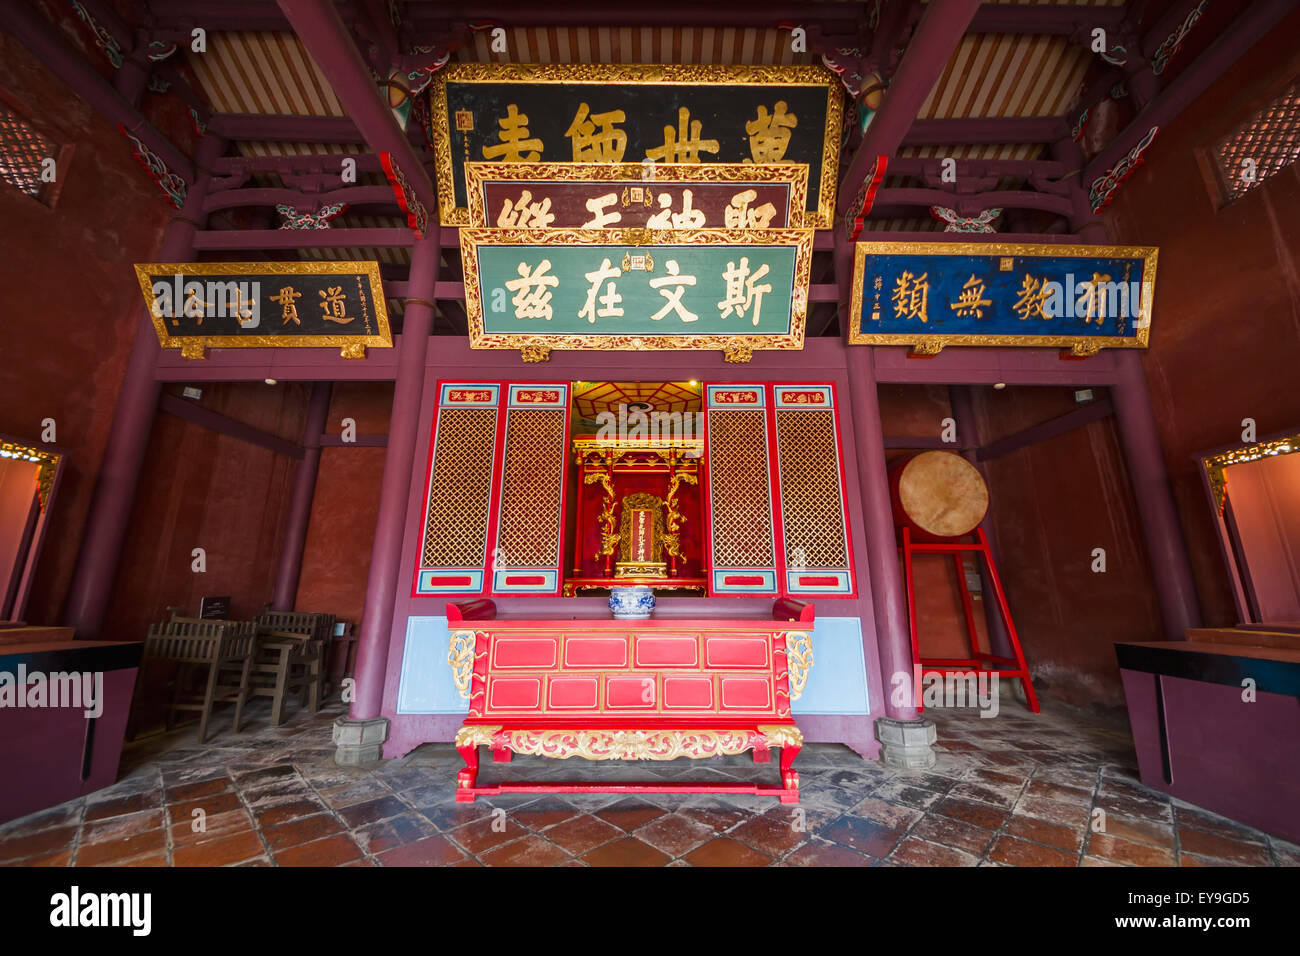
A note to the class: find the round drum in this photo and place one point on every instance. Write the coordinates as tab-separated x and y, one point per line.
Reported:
938	494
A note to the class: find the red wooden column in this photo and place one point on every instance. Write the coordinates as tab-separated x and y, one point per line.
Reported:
304	489
360	736
119	471
362	733
905	737
1144	455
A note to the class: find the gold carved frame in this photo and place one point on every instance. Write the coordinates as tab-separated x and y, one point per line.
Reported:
800	239
794	175
930	343
635	74
193	346
626	567
1214	465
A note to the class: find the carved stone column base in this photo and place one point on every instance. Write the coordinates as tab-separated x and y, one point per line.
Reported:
905	744
359	741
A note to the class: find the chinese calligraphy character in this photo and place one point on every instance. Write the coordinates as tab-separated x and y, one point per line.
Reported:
592	146
742	291
1033	294
609	301
514	140
679	147
526	214
532	296
740	215
195	306
599	217
770	135
971	299
911	296
674	296
1091	302
688	218
289	310
334	305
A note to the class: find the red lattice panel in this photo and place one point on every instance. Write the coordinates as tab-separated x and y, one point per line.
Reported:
740	489
532	488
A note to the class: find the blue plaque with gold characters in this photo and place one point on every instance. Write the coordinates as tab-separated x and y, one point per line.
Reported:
931	295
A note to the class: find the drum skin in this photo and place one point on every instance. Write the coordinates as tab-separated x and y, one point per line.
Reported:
938	495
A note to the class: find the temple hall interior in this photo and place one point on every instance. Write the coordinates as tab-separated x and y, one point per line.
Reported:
823	434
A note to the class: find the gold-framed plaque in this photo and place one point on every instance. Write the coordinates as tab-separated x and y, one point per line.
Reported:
635	113
637	289
223	305
634	195
931	295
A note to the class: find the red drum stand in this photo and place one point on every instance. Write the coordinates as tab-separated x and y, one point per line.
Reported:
980	662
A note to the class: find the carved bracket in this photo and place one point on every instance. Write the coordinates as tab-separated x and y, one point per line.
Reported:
460	657
799	656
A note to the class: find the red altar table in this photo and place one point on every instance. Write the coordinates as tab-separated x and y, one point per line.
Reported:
607	689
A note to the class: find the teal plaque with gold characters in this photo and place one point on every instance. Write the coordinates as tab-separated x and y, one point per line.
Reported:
636	289
930	295
645	114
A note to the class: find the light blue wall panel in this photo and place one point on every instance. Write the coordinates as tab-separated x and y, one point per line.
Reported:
837	683
426	686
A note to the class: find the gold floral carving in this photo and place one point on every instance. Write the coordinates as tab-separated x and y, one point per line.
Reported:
675	519
781	735
476	735
535	353
460	656
47	466
929	344
608	536
738	353
592	451
799	655
1215	464
635	74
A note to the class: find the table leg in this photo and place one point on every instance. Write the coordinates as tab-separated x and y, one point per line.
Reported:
466	778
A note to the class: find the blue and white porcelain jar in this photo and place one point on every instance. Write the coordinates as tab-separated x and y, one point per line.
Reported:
632	604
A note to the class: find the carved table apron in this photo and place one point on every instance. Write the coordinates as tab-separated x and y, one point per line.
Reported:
629	690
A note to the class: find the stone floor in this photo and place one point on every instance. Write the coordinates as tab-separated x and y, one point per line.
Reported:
1017	790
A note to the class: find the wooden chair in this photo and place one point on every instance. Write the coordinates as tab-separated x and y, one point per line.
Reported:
223	648
292	648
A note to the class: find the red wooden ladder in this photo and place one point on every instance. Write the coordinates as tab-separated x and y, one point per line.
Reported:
980	662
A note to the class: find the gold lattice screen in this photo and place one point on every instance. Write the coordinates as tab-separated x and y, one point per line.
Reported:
494	506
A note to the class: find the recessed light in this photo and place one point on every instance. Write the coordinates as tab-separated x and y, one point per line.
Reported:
999	385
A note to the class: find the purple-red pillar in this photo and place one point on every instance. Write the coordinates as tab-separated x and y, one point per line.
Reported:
937	35
304	489
1166	548
1163	532
128	438
893	639
386	553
